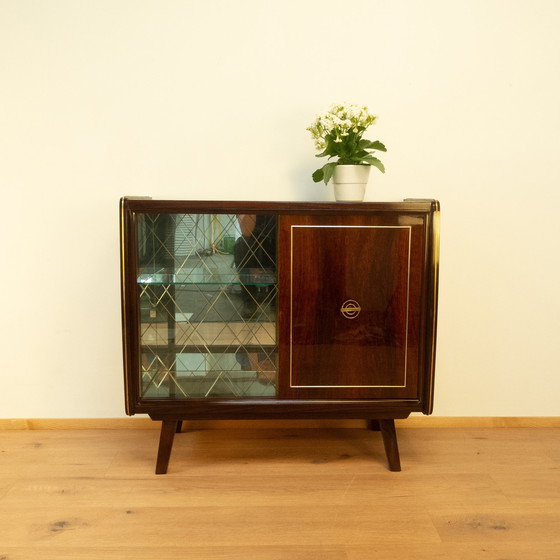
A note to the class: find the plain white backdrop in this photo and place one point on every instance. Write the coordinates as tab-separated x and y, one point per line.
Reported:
210	99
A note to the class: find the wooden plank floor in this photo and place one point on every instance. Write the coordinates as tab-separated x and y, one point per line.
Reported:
484	494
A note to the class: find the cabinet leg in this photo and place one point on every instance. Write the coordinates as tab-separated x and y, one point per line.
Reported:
389	435
168	429
373	425
179	427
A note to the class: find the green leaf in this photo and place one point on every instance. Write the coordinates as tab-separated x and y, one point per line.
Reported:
318	175
360	155
326	152
377	145
328	171
369	145
331	149
375	162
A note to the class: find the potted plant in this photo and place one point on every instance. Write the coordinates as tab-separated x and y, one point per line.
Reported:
338	134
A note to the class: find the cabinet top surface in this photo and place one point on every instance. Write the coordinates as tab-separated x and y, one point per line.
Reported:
287	207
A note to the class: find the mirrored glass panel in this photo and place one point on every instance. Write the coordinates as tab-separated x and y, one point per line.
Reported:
207	287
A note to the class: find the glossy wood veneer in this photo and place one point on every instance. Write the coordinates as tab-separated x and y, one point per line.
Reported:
381	367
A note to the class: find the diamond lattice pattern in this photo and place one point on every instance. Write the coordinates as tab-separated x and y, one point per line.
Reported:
207	286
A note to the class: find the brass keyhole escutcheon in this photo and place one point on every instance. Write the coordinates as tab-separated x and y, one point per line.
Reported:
350	309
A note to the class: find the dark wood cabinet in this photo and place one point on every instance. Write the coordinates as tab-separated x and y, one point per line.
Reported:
253	310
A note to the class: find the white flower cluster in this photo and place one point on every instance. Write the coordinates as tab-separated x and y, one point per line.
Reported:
338	121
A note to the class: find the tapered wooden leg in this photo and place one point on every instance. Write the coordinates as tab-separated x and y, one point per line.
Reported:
179	427
389	435
373	425
168	429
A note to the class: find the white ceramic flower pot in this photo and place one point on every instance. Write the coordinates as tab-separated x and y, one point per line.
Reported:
350	182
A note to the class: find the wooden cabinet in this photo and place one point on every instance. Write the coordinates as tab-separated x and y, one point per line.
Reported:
253	310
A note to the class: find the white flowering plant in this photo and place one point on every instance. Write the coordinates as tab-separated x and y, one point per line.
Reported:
338	134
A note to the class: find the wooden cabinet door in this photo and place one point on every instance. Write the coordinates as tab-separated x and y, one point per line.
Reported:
350	291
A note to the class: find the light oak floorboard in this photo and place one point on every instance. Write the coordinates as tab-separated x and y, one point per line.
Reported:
271	494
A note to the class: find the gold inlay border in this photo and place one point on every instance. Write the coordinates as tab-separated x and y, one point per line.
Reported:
325	226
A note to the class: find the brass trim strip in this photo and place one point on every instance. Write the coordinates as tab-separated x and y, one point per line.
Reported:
292	227
435	268
124	305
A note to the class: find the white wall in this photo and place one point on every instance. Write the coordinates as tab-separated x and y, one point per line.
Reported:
210	99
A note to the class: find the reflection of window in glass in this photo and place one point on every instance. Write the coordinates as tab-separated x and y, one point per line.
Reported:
255	260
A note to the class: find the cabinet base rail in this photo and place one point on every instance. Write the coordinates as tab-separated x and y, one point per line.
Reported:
384	425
